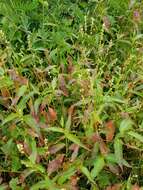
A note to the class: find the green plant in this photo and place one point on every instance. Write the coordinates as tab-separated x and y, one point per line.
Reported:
71	94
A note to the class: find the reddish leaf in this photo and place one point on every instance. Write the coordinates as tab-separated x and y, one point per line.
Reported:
106	22
114	187
96	137
53	114
62	86
73	182
71	110
32	133
135	187
70	65
5	92
55	148
114	169
103	148
46	115
17	78
15	100
42	107
110	130
136	16
30	103
27	149
55	164
5	96
75	149
36	117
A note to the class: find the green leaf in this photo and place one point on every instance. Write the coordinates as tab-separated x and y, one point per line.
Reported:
5	82
13	184
86	172
22	90
66	175
10	117
136	136
1	71
16	164
34	167
54	129
75	139
125	163
22	104
30	121
68	123
111	158
9	147
37	104
125	125
33	155
3	187
44	184
98	166
118	149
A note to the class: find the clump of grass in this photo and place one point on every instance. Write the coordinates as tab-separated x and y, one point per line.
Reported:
71	91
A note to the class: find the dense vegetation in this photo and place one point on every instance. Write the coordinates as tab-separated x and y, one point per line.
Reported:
71	94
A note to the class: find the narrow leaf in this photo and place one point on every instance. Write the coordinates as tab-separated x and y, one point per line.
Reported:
110	130
10	117
125	125
86	172
118	149
75	139
33	155
136	136
98	166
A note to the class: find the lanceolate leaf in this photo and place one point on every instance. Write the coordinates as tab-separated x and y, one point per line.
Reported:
55	148
75	139
110	130
125	125
86	172
136	136
30	121
10	117
99	164
118	148
55	164
33	155
66	174
22	90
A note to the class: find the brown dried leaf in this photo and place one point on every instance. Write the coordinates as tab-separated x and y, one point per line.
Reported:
114	187
17	78
96	137
55	148
70	64
114	169
5	92
103	148
73	182
62	86
71	110
135	187
106	22
110	130
55	164
53	114
136	16
32	133
26	148
15	100
75	149
5	97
